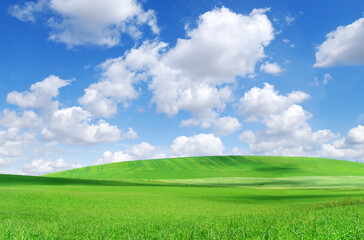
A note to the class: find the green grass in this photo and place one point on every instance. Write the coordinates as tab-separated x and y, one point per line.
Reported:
272	204
217	166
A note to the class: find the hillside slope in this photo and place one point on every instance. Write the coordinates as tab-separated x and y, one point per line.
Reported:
216	166
7	180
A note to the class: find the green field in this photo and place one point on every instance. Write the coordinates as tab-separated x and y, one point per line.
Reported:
225	197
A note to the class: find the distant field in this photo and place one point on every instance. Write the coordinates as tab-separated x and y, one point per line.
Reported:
194	198
217	166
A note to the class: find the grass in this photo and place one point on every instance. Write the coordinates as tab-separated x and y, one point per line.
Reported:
217	166
266	206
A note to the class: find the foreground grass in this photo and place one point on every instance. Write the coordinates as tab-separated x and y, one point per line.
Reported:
78	209
225	197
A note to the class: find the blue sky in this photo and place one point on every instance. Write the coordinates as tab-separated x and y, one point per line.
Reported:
92	82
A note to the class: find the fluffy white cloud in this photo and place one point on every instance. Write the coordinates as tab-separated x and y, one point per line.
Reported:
73	126
226	126
350	147
14	143
271	68
221	126
28	119
116	85
197	145
131	134
286	129
355	136
223	45
259	102
84	22
236	151
193	75
342	46
41	95
138	152
40	166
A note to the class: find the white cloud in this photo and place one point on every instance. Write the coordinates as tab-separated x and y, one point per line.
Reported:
28	119
197	145
327	78
226	126
40	166
290	19
350	147
115	86
88	22
258	102
355	136
27	12
193	75
131	134
271	68
221	126
138	152
342	46
41	94
4	162
73	126
223	45
286	129
14	143
236	151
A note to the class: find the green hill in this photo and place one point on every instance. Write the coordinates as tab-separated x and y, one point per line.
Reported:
20	180
216	167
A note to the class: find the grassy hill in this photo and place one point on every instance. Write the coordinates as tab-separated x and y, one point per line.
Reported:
216	167
224	197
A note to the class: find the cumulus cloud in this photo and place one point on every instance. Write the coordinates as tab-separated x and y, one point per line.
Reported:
73	126
130	134
197	145
13	143
115	86
342	46
226	126
286	129
90	22
28	119
260	102
221	126
223	45
195	74
350	147
40	166
271	68
41	95
141	151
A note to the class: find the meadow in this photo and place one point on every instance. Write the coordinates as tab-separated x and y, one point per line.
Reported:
189	198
